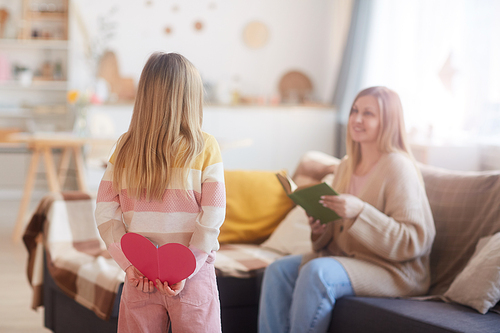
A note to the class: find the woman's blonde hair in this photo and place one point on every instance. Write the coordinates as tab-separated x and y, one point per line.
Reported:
391	136
164	137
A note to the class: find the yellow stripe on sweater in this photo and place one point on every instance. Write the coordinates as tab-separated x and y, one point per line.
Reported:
210	155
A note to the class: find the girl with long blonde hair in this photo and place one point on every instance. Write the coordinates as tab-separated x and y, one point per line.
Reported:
165	181
381	244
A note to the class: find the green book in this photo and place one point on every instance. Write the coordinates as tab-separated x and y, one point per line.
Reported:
309	197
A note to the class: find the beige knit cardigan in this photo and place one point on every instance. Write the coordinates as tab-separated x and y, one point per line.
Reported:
385	250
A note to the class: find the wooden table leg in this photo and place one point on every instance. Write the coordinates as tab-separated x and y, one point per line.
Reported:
80	168
50	170
25	201
63	166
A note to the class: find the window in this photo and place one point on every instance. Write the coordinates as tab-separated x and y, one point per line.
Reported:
443	58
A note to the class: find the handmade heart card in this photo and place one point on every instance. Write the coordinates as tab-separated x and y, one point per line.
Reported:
171	262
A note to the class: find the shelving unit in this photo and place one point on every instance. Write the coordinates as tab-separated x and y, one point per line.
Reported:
39	61
35	85
45	20
33	44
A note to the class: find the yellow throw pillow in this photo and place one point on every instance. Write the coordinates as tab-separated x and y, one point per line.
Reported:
256	204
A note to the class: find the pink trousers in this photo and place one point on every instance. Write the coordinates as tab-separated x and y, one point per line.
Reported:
195	309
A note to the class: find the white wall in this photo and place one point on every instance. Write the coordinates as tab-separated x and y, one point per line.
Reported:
300	39
251	138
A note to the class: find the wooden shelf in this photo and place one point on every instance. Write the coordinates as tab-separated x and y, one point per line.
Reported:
47	16
15	113
36	85
34	105
52	44
33	18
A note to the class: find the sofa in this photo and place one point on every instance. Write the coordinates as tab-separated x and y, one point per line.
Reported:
465	258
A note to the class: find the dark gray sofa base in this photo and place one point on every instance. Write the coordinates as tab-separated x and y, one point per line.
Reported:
377	315
239	310
239	303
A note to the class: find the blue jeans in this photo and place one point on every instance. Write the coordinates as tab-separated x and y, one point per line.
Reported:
301	301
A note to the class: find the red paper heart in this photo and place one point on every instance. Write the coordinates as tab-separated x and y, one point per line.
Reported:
171	262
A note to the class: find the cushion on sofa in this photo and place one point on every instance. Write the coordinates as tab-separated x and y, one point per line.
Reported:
478	285
465	206
256	204
292	236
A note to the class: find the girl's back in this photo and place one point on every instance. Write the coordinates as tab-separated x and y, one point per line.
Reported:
165	181
173	218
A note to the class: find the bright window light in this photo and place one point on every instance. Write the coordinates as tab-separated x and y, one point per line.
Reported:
443	58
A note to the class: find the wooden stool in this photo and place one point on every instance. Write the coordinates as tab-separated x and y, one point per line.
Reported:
42	145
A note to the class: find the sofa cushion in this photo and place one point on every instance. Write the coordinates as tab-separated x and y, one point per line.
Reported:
465	206
478	285
293	234
255	204
381	315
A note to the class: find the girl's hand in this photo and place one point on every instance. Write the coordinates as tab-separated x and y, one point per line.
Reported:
316	227
345	205
172	290
139	281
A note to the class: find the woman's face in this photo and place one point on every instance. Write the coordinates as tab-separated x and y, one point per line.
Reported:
364	120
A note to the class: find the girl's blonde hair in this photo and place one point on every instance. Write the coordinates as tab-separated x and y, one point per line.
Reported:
391	136
164	137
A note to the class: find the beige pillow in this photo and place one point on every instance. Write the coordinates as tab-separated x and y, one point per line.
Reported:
478	285
293	234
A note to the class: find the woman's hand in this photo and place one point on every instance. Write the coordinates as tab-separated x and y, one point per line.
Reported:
316	227
172	290
345	205
139	281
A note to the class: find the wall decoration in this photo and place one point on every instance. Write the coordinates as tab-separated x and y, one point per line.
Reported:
447	73
198	26
95	47
217	30
295	87
256	35
122	87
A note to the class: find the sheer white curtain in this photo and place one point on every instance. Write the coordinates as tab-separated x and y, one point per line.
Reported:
443	58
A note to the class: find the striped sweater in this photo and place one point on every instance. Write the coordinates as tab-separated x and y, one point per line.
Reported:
193	221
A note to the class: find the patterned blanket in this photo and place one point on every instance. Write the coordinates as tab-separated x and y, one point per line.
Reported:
243	260
77	259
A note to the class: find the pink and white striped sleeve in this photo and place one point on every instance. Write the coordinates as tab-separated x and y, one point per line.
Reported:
108	215
213	200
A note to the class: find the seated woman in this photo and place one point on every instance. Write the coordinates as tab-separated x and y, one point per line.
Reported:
381	245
